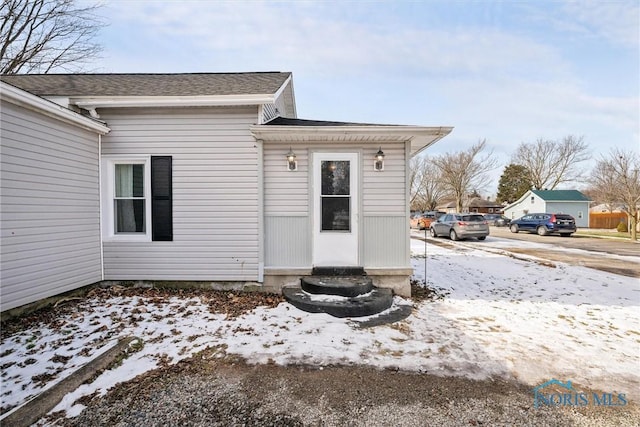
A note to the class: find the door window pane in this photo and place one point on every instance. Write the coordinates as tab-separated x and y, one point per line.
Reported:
335	178
335	198
336	214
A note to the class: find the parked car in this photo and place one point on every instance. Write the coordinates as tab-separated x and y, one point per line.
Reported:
460	226
413	220
545	223
497	219
425	220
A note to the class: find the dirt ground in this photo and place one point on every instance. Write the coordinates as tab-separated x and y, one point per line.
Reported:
206	391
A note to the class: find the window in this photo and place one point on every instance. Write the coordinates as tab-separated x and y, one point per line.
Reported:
129	203
137	198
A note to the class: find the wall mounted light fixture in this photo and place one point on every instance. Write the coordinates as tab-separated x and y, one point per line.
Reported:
378	163
292	164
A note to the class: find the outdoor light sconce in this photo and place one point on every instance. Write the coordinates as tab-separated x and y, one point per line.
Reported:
378	163
292	164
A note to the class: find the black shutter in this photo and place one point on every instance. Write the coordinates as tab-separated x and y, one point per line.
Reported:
161	199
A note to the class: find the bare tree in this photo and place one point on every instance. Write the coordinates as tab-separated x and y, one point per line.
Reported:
602	181
425	184
465	171
39	36
551	163
618	177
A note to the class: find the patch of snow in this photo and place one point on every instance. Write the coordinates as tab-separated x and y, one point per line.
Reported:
500	317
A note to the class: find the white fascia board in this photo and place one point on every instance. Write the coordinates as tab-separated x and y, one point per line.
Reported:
420	136
288	81
422	142
400	130
90	103
520	200
282	88
27	100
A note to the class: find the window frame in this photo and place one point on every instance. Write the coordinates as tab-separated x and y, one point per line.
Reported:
108	206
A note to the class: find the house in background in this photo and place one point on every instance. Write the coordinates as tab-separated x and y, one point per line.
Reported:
203	178
571	202
475	204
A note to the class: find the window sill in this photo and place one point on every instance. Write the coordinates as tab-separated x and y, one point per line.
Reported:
127	238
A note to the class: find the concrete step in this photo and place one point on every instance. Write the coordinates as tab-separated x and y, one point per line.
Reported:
346	286
368	304
337	271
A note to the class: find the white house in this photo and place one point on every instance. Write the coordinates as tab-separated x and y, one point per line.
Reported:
571	202
206	178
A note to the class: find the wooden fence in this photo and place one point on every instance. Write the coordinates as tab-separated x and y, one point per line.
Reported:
606	220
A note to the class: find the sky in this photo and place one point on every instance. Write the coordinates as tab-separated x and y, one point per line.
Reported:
585	331
508	72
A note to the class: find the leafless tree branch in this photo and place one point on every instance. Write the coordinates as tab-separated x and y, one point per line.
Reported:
425	184
41	36
465	171
551	163
617	178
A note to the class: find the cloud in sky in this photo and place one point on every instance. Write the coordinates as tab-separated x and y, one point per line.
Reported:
505	71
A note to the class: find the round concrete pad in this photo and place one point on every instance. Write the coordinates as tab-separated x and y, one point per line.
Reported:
379	299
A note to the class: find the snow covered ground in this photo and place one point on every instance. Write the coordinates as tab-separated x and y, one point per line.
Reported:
499	317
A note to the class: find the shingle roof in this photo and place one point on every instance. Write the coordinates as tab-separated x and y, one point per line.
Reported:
561	195
284	121
196	84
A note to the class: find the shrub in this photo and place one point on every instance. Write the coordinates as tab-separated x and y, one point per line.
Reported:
622	227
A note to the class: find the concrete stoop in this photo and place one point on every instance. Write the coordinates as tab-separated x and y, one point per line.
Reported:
340	292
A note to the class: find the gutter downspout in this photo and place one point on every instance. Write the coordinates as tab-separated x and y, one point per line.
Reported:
100	206
260	153
407	203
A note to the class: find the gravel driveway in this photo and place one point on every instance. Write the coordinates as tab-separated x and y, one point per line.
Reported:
214	392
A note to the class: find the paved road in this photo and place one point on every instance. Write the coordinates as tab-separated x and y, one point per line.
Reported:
610	246
612	255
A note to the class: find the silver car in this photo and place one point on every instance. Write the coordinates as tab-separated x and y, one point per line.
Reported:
460	226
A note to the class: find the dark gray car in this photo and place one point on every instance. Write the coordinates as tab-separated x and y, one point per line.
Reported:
460	226
497	219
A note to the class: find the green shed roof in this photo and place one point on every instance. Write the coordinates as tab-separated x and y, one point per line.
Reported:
561	195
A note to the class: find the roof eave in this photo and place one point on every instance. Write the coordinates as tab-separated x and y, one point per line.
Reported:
33	102
420	137
90	103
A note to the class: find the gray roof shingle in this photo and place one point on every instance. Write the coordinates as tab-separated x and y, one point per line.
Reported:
195	84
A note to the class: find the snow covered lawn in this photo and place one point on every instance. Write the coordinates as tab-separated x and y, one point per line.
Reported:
499	317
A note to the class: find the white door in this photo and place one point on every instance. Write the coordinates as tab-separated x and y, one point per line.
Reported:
335	216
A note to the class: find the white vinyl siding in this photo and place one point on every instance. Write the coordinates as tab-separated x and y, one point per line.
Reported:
383	204
383	193
286	192
215	193
49	207
385	240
